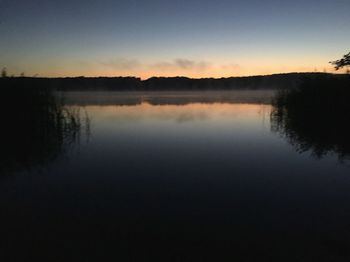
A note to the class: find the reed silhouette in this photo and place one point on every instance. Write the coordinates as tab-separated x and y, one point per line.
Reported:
36	126
315	115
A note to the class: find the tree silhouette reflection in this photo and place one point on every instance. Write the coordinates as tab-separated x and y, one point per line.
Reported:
36	127
315	116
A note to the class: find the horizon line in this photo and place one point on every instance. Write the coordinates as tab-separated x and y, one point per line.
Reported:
179	76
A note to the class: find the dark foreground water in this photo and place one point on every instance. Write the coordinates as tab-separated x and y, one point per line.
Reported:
177	177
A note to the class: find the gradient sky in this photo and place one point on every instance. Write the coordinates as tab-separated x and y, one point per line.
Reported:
195	38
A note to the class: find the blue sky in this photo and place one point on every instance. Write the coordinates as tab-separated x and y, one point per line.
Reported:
192	38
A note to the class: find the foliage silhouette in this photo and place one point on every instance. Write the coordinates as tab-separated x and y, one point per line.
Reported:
276	81
345	61
36	127
315	116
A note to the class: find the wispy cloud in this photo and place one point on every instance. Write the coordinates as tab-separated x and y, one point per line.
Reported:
177	66
231	66
122	64
183	64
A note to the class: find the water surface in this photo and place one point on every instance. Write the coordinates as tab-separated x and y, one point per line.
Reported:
179	177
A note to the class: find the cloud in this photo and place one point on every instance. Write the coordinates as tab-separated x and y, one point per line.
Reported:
188	64
231	66
178	66
183	64
174	65
122	64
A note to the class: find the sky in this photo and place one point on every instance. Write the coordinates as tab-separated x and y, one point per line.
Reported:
194	38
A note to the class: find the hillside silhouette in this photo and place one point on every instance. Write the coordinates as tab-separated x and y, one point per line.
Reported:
276	81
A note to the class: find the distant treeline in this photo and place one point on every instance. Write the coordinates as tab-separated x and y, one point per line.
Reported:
277	81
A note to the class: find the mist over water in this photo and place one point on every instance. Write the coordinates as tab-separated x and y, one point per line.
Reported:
180	176
175	131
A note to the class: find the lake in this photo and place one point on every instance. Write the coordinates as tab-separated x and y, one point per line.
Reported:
178	176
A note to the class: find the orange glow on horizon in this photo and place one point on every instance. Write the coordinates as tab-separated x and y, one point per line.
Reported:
218	69
211	74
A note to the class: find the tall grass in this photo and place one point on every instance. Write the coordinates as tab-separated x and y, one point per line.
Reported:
36	126
315	116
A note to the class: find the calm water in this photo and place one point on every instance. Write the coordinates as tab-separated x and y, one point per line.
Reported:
179	177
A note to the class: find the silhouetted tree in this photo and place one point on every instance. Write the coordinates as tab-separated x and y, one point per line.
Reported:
345	61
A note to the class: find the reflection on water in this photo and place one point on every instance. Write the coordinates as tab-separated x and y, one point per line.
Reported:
180	181
195	112
315	118
36	128
167	97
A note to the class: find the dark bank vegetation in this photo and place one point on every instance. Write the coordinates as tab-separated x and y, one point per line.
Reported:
315	116
277	81
35	128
